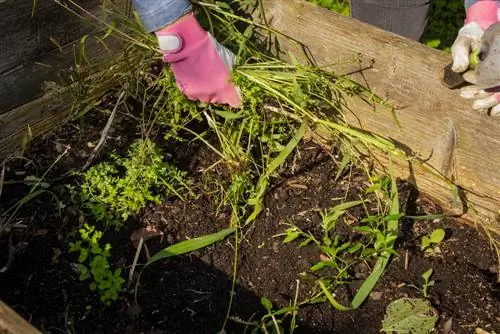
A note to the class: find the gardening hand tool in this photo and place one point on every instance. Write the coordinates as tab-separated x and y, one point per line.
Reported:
201	65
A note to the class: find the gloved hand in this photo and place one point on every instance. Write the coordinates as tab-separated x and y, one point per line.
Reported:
201	66
479	17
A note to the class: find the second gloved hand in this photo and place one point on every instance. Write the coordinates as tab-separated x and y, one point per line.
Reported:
486	75
479	17
201	66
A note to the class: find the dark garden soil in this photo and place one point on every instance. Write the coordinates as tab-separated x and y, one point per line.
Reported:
190	294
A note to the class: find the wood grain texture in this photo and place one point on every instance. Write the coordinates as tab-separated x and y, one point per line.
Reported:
42	109
12	323
435	123
26	36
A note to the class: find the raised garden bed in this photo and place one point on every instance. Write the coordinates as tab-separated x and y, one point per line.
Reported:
191	294
271	218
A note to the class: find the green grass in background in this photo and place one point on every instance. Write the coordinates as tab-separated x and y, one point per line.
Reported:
446	18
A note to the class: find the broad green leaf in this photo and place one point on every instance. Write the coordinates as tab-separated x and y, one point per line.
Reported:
437	235
266	303
427	274
191	245
410	315
291	236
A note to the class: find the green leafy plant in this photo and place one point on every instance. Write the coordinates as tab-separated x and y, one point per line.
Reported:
94	266
426	284
410	315
379	231
337	252
430	241
114	190
273	321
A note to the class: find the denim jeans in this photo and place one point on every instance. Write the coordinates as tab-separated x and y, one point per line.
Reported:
407	18
156	14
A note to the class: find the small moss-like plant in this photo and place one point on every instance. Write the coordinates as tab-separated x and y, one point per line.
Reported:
93	264
114	190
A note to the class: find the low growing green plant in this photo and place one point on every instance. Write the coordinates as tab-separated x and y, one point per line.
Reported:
378	234
273	321
94	266
114	190
426	283
338	253
430	241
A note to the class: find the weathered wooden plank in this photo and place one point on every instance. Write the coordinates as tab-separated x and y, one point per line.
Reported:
45	109
23	36
44	113
436	124
12	323
28	55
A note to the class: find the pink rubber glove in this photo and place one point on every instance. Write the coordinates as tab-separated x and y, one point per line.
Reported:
201	66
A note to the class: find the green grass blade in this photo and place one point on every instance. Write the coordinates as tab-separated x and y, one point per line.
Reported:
331	299
346	205
392	225
229	115
370	282
427	217
275	163
383	260
292	144
191	245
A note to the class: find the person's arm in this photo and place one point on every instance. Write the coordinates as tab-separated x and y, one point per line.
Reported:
201	66
157	14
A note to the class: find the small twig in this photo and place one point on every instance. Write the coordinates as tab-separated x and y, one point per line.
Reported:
406	260
104	133
12	252
136	258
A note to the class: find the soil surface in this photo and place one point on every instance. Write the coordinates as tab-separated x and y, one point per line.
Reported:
191	294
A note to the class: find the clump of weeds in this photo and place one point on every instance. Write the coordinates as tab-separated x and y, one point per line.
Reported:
93	264
372	238
115	189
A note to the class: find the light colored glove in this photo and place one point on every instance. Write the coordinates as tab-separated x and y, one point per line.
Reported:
201	66
479	17
486	75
